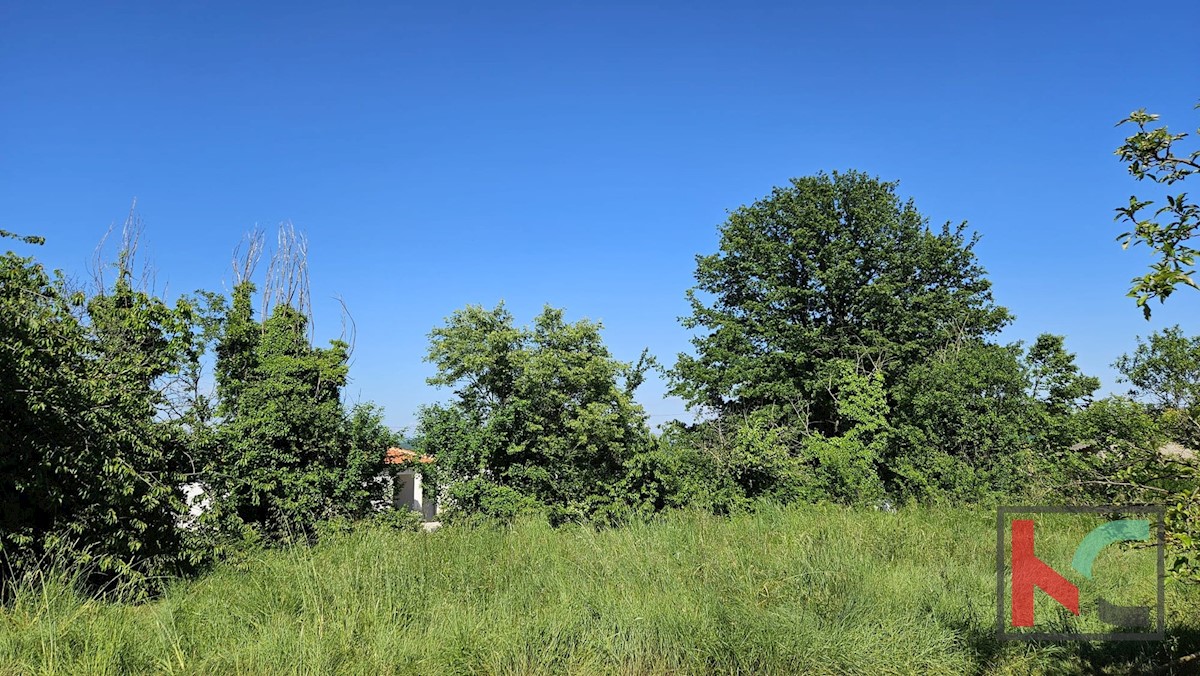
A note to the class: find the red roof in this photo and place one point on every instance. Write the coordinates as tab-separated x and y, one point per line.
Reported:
404	456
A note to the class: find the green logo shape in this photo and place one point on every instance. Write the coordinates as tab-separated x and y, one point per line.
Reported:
1123	530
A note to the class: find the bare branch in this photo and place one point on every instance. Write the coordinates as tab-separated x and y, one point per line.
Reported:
348	322
246	255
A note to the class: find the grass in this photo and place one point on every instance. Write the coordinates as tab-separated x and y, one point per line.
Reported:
800	590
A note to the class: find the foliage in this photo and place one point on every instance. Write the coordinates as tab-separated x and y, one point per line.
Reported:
726	463
1166	370
845	466
480	497
1060	395
1120	424
691	465
542	410
1149	153
449	433
366	439
1128	474
829	267
964	425
1055	380
401	520
90	458
1166	367
286	455
389	519
652	482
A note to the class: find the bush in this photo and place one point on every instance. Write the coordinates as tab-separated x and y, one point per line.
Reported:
402	520
489	501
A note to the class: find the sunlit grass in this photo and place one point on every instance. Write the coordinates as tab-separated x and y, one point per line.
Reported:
799	590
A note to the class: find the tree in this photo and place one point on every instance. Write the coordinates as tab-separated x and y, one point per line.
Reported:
281	439
90	457
1165	374
544	411
964	424
1056	381
845	467
980	420
284	454
830	267
1060	393
1165	369
1170	230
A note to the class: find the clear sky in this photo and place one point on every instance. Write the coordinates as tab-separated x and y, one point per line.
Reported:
581	154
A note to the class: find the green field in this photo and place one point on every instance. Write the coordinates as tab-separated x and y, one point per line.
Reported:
799	590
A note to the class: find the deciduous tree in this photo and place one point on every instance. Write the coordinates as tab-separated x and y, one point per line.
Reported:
829	267
544	410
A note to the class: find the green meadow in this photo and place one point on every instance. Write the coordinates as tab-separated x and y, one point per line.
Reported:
822	590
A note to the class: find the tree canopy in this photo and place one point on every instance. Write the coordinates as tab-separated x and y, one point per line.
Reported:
544	410
90	454
828	267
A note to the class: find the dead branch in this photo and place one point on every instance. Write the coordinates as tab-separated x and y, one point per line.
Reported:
246	255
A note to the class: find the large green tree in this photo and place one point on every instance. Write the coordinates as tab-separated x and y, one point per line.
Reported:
1165	370
90	455
285	454
281	451
544	411
965	428
980	420
829	267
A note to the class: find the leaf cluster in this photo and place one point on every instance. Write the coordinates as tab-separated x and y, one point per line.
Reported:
1168	231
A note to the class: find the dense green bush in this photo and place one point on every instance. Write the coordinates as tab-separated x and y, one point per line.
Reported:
480	497
90	462
103	419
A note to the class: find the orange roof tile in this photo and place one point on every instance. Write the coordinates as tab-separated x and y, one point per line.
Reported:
403	456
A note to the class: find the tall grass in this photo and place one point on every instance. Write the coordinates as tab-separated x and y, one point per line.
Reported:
803	590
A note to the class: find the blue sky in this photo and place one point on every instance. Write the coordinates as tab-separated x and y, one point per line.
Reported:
581	154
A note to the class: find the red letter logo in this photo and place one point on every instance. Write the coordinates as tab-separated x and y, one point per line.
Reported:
1029	571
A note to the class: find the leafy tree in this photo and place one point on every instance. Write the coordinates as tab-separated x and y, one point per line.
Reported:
282	453
830	267
1056	381
981	420
366	437
1163	371
1060	393
1150	153
1130	467
964	424
90	458
695	465
543	410
728	462
286	454
760	460
846	466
